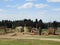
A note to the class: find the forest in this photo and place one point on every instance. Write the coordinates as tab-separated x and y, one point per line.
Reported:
28	22
38	24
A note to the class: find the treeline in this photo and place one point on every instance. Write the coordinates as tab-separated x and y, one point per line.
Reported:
28	22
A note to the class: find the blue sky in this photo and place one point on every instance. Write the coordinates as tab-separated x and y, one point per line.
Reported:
47	10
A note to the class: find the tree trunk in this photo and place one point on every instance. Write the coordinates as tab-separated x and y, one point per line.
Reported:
5	30
40	30
54	31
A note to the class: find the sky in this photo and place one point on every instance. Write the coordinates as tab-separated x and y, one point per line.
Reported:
47	10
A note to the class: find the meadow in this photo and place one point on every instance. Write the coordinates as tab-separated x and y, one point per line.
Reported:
27	42
32	41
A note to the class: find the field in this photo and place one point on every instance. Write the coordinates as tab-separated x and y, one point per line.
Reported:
27	42
27	39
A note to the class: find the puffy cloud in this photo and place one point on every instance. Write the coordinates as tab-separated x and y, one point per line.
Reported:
41	5
30	5
53	0
56	9
26	5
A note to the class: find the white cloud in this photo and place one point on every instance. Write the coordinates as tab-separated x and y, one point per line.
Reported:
56	9
53	0
26	5
1	10
30	5
30	0
41	5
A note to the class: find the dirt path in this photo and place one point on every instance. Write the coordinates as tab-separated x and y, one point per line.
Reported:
26	37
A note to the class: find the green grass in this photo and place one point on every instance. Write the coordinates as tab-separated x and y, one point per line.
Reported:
1	30
27	42
48	36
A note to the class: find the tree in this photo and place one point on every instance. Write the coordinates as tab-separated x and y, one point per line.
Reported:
40	26
55	26
4	24
29	23
49	24
36	23
50	29
25	22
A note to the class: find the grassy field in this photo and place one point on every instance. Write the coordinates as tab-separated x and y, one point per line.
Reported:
27	42
48	36
30	41
43	36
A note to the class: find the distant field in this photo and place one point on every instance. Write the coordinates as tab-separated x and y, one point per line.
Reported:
32	41
46	30
27	42
1	30
43	30
44	36
48	36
